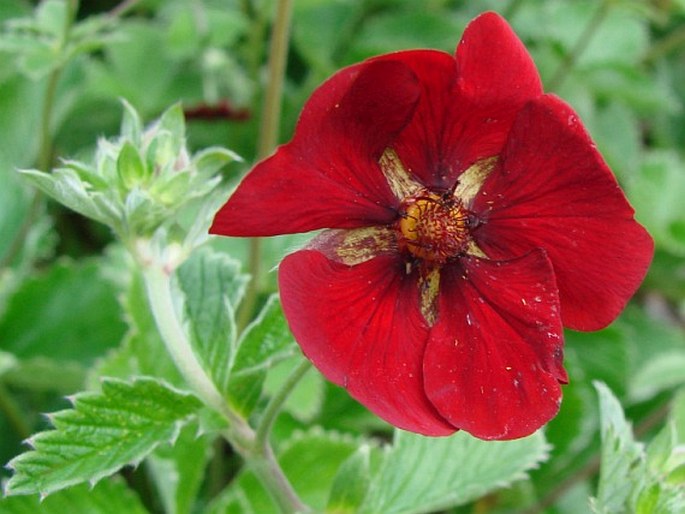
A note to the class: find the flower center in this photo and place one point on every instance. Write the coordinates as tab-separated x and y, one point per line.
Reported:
432	227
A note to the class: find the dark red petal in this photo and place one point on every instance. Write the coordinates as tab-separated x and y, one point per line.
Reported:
328	175
362	328
468	104
553	190
494	358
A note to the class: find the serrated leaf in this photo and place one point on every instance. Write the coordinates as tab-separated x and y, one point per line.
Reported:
421	474
351	483
108	497
178	471
51	315
310	460
65	186
265	342
212	285
103	432
622	461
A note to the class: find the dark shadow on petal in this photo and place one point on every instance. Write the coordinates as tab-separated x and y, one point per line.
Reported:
494	358
553	190
362	328
328	176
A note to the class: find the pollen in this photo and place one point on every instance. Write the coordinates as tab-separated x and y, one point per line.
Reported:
433	228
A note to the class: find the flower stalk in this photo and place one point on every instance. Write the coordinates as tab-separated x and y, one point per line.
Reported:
253	446
277	401
268	136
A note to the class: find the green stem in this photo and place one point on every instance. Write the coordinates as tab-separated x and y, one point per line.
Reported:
274	407
13	413
123	8
258	455
664	46
267	469
160	296
571	59
278	53
45	148
268	137
19	239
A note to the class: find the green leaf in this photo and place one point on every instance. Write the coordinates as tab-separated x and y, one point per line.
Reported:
52	17
213	286
68	188
211	160
310	460
657	194
661	447
622	37
108	497
602	355
623	463
173	121
422	474
265	342
7	362
660	373
41	374
142	351
178	471
67	313
232	501
102	433
351	483
130	166
632	479
659	365
404	29
131	124
306	400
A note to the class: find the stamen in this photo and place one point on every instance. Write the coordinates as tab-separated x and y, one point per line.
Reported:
434	228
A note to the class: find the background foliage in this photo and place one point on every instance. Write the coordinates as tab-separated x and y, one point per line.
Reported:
73	307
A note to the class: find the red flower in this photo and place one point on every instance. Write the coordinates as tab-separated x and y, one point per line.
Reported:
469	217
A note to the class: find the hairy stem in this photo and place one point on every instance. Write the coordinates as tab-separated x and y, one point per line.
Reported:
258	454
160	297
268	136
276	403
264	464
666	45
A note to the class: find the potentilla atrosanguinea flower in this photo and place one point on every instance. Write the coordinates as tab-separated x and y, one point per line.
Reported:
468	216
